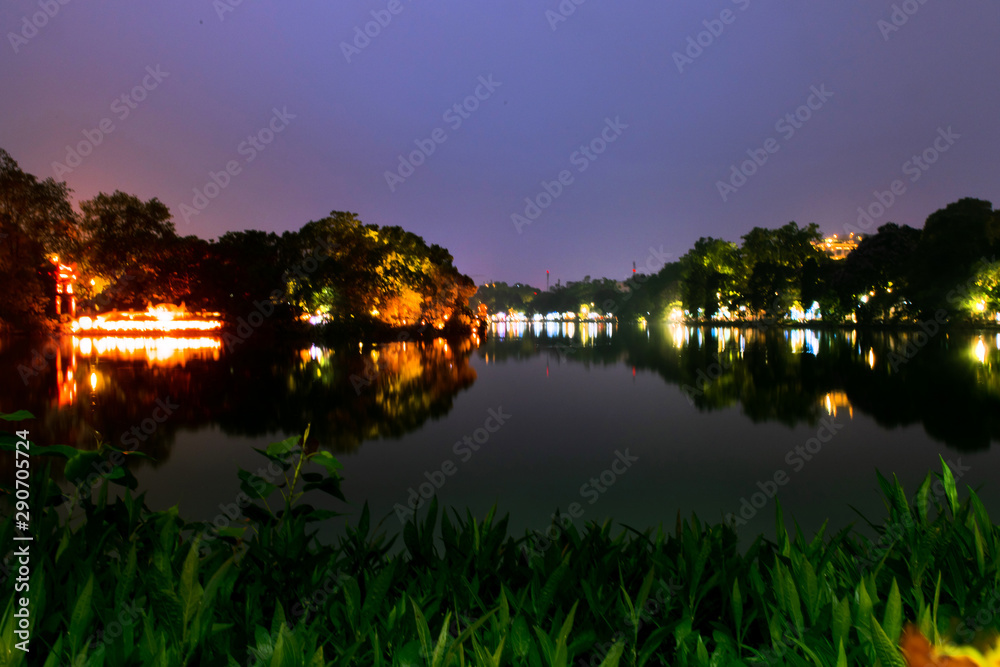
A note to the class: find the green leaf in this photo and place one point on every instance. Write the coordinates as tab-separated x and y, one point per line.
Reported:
437	658
793	605
190	588
886	650
921	501
548	648
81	465
647	584
893	621
737	605
949	486
422	630
614	654
255	486
8	443
83	612
20	415
283	447
567	625
841	620
548	591
841	655
980	554
465	634
327	460
376	594
520	637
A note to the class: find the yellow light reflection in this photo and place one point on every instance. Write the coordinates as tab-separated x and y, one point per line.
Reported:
981	351
837	399
93	380
871	358
161	349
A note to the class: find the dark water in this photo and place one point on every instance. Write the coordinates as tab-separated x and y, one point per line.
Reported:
634	424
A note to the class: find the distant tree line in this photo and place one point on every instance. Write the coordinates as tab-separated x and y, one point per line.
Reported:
947	269
129	254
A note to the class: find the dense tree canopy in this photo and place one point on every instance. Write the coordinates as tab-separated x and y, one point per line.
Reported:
36	220
896	275
361	276
337	269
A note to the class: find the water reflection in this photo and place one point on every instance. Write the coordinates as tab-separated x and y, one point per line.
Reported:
948	382
108	385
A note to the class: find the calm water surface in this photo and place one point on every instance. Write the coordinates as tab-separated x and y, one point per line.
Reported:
630	423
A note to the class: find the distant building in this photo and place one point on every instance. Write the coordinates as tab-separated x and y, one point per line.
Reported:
838	248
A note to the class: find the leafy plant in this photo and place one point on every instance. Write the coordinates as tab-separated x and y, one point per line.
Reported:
119	584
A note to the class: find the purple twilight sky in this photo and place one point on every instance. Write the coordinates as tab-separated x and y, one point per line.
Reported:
894	78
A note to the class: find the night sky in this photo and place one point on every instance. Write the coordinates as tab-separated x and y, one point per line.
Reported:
210	76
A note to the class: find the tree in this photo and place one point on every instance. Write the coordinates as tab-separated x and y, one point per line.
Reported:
383	275
774	260
123	236
954	241
710	274
873	279
36	220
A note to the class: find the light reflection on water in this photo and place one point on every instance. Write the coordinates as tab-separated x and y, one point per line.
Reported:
795	375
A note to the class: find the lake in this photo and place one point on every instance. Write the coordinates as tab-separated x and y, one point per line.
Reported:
631	423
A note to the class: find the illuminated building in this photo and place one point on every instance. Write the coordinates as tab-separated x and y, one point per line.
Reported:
163	319
65	281
838	248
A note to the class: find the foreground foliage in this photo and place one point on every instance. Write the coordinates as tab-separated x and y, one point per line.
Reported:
119	584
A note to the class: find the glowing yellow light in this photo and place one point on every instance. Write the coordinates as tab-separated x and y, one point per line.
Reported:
93	380
163	318
981	306
981	351
93	282
871	358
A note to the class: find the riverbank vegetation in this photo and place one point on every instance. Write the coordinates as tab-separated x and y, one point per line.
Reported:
115	583
383	282
948	271
126	253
